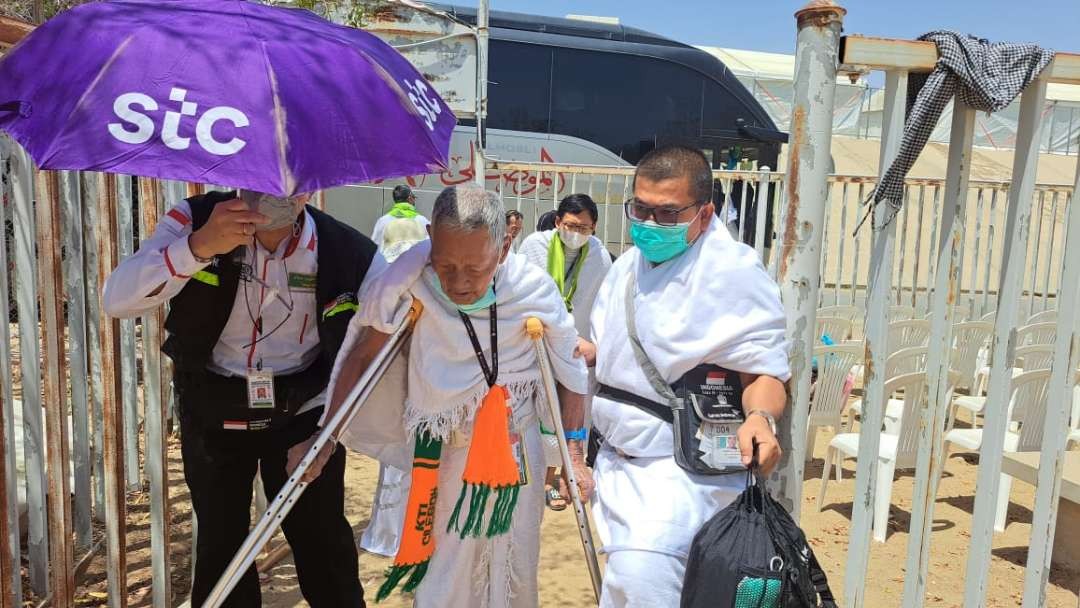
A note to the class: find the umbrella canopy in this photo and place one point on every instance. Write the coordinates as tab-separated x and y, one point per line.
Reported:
226	92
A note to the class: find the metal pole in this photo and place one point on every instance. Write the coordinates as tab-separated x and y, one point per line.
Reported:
10	574
75	293
91	184
51	297
128	372
799	259
1059	401
157	447
26	296
479	163
877	348
930	459
112	407
1003	345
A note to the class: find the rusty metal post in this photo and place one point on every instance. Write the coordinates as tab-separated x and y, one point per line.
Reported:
943	298
113	412
22	181
125	244
75	295
51	297
10	552
1058	404
157	447
875	330
90	184
798	264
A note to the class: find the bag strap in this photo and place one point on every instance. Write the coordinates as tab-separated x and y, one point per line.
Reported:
653	375
821	582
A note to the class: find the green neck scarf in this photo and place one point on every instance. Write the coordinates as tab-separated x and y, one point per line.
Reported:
403	209
556	267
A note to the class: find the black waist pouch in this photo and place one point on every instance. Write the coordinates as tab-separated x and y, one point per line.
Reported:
213	401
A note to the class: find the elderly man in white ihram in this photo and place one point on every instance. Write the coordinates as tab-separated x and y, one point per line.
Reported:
468	412
708	318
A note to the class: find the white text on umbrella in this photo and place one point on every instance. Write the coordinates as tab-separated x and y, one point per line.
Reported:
170	129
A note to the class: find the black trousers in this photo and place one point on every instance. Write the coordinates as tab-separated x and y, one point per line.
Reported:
220	467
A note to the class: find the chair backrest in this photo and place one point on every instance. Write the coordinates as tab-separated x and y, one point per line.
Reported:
906	361
841	311
913	390
1036	333
836	328
960	314
834	364
968	340
1046	316
1028	404
901	313
1034	356
905	334
989	317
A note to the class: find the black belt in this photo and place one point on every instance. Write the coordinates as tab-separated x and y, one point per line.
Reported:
649	406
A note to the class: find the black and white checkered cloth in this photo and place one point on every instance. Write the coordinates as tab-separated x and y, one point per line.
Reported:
984	75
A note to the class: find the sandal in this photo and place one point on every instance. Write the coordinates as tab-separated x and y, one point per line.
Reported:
554	499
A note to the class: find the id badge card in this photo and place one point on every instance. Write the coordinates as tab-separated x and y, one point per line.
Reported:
719	445
517	448
260	384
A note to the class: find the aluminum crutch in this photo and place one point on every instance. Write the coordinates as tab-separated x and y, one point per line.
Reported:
535	328
290	492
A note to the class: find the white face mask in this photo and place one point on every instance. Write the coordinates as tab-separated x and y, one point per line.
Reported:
281	210
573	240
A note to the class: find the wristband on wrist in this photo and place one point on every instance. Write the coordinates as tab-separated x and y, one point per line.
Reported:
576	435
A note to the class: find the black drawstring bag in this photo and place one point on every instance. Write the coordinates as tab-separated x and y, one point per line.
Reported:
753	555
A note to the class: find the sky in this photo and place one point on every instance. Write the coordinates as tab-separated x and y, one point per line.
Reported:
769	25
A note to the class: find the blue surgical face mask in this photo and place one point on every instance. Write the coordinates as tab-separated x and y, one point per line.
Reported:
484	302
660	243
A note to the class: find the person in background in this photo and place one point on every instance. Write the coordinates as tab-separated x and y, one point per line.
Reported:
578	262
382	536
546	221
707	316
261	290
514	222
404	208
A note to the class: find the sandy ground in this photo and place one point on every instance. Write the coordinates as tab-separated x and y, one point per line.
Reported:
564	580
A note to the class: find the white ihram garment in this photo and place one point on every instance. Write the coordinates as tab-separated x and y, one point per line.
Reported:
715	305
437	386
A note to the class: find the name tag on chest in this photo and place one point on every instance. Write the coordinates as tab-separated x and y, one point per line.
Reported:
300	281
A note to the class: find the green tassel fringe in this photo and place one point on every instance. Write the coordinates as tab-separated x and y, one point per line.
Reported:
501	515
396	573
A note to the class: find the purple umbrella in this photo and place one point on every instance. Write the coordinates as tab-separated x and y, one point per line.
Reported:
223	92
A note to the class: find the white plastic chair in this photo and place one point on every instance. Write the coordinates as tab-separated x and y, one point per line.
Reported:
1046	316
1028	358
1027	409
836	328
896	451
842	311
904	361
1036	333
968	340
901	313
960	314
827	403
909	333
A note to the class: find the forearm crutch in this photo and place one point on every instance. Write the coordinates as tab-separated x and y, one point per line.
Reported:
290	492
535	329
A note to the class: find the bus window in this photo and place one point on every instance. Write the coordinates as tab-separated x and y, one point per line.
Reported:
623	101
720	111
519	86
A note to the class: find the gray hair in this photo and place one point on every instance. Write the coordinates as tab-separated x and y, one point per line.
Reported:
469	207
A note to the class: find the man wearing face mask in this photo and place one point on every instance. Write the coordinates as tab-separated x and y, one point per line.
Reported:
578	262
465	422
688	313
261	290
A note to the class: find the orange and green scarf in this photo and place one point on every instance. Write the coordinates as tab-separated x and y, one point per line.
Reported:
489	469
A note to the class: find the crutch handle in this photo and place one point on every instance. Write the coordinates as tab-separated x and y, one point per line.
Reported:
535	328
415	310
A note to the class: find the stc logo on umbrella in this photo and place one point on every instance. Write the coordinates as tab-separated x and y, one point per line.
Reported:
138	128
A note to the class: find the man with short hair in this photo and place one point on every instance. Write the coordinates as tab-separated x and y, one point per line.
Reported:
578	262
466	422
261	290
404	208
514	222
708	318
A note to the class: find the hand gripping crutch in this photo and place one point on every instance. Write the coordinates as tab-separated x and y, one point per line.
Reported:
266	527
535	329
